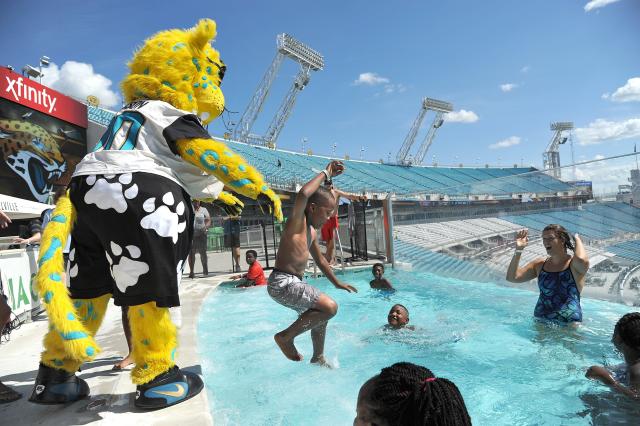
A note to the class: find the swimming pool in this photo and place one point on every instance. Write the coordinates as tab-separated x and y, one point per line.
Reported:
510	369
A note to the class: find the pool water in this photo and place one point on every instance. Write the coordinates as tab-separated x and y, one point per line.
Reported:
510	369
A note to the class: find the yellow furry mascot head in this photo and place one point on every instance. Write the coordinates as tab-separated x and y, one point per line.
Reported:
180	68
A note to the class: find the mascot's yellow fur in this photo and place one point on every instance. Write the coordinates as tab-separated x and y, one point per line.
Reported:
182	69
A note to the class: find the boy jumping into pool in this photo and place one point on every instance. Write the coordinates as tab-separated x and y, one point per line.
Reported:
313	206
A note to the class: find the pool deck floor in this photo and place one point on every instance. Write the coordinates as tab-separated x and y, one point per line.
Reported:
112	393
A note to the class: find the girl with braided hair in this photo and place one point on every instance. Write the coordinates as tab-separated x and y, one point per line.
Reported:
561	276
408	394
624	378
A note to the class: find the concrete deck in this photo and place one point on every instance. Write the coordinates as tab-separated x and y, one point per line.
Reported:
112	393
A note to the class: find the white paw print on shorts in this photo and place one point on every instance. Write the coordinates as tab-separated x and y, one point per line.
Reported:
125	270
72	271
110	193
163	220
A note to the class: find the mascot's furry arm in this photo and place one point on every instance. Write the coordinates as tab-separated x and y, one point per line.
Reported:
216	158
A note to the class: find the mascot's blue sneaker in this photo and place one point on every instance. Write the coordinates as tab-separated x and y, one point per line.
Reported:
56	386
170	388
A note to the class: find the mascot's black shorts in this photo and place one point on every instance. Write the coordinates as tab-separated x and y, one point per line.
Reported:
131	238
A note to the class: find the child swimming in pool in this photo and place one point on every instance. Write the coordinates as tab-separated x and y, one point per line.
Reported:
313	206
379	282
398	318
624	378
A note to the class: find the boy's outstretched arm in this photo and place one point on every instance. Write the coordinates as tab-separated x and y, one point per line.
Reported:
603	375
327	270
350	196
215	158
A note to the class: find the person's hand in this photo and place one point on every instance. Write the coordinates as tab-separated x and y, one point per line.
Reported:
347	287
601	374
21	240
522	239
335	168
4	220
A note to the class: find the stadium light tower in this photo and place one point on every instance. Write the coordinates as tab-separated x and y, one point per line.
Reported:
309	60
440	108
551	156
44	62
30	71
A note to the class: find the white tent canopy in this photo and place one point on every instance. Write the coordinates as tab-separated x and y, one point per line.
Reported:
17	208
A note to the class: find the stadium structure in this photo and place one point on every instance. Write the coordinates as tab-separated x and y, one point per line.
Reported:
461	221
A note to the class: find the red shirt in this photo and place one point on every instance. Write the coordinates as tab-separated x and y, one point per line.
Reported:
256	274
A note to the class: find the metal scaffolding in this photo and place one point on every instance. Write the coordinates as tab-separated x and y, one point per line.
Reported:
551	156
440	108
309	60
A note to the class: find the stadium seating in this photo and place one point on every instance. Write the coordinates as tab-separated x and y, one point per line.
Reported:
361	176
595	221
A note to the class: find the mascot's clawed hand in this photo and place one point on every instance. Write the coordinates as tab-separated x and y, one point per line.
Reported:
129	204
229	203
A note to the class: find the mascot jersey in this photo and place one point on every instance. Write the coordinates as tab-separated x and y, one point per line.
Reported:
142	138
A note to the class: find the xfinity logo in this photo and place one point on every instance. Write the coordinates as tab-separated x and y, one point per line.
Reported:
20	90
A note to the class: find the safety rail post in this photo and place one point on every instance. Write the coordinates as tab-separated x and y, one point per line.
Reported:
264	243
388	229
366	243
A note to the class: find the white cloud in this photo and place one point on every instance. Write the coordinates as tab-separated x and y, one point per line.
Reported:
596	4
370	79
80	80
506	143
603	130
630	92
462	116
525	69
507	87
391	88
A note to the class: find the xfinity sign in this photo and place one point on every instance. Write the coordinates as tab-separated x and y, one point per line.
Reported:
34	95
19	90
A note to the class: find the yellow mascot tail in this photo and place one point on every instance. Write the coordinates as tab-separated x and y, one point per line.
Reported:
69	341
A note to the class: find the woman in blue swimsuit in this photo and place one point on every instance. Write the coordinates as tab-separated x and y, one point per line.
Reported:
560	275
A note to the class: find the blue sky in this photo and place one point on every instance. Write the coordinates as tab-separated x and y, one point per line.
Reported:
563	62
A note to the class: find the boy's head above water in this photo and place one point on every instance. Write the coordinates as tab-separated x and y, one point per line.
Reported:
377	270
626	335
251	256
398	316
320	207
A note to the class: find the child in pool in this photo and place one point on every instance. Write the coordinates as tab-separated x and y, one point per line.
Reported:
255	275
626	377
379	282
398	317
408	394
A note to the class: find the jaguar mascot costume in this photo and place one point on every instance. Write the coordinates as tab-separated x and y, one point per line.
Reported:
128	211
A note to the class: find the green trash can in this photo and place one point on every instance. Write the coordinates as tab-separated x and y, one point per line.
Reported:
215	239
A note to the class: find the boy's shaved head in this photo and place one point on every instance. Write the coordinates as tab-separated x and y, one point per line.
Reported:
401	306
322	197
